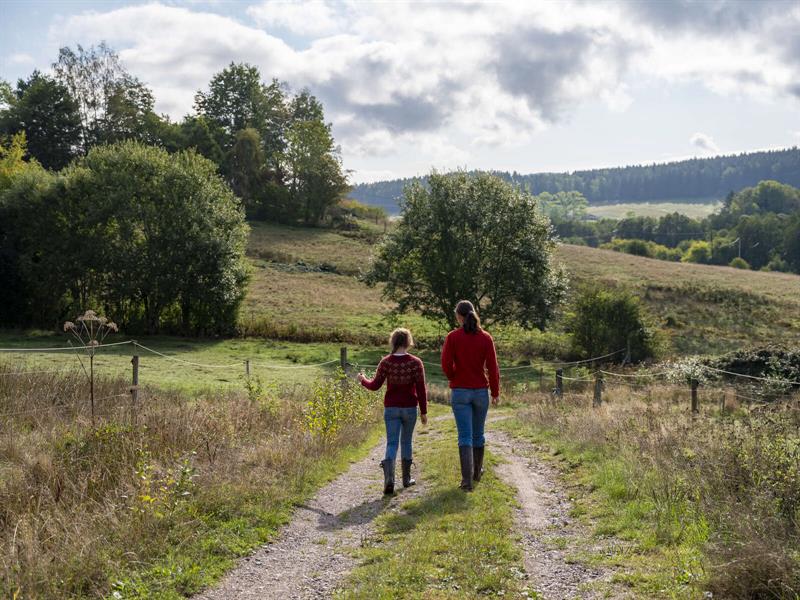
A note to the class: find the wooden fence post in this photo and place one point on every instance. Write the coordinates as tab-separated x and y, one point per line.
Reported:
598	390
695	401
247	368
135	381
722	403
343	358
559	382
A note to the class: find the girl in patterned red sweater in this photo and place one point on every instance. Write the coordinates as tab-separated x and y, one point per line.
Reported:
404	375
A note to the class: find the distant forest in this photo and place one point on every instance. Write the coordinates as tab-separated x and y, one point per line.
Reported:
688	180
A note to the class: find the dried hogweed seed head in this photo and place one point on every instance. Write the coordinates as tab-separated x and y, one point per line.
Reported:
69	326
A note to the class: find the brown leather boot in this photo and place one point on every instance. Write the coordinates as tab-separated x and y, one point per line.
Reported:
407	481
477	460
465	455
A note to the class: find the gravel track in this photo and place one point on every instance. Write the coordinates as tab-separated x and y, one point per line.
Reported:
314	552
548	534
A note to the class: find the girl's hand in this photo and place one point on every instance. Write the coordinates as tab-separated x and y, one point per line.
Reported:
495	400
360	377
424	419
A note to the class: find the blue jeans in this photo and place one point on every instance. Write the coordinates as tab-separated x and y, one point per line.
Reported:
399	429
469	408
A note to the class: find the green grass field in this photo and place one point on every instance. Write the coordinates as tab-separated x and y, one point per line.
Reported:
695	210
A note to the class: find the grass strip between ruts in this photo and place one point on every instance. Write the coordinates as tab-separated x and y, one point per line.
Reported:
446	543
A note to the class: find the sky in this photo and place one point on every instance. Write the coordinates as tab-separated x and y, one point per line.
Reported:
518	86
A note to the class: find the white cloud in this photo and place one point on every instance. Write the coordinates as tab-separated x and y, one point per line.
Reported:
303	18
705	143
423	74
20	58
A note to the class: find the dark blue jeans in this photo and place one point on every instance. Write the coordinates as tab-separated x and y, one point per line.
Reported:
469	408
399	429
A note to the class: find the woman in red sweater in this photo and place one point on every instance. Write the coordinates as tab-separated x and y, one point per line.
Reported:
469	361
405	389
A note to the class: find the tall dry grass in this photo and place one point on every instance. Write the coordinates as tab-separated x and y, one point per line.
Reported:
82	507
727	482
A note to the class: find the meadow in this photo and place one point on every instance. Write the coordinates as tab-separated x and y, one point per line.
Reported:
697	209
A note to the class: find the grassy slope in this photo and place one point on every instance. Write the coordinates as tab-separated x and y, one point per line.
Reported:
710	309
704	309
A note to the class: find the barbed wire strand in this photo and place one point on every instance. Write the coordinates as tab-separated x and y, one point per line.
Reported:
768	379
188	362
64	348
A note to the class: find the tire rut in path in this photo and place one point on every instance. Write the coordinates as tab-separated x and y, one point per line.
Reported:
314	552
547	532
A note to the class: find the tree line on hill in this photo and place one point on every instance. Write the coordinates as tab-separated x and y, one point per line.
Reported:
757	227
105	203
694	179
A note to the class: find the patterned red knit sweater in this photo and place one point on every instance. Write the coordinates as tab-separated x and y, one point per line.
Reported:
405	382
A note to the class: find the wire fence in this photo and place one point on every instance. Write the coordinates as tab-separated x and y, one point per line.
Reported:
588	371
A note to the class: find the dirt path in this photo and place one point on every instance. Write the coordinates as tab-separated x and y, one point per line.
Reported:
548	534
314	552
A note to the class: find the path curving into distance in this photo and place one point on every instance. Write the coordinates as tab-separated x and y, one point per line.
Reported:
315	552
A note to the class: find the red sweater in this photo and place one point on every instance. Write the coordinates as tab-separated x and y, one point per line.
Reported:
405	377
469	361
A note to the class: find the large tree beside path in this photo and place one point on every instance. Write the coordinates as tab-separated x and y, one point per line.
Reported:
473	237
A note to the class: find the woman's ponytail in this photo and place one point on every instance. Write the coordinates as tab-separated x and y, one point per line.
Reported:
472	323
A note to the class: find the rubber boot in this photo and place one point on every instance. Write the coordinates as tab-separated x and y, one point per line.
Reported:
477	460
465	454
407	481
388	476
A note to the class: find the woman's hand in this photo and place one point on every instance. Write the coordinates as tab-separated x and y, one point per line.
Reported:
495	400
360	377
424	419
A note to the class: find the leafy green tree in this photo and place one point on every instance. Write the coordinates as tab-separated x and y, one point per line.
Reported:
791	243
236	99
698	252
157	239
246	168
316	179
673	228
471	237
44	109
14	293
603	321
760	236
204	136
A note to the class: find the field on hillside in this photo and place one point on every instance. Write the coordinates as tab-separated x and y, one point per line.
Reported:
695	210
701	309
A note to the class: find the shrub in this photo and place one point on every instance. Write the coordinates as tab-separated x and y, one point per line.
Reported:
739	263
646	248
604	321
335	402
698	252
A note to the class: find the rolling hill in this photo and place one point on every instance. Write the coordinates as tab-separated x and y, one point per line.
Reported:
694	180
305	288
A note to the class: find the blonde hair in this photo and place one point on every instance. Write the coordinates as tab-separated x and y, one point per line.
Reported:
400	338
